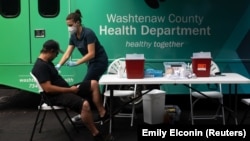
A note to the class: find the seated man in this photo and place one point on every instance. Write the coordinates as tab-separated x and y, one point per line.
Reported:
60	93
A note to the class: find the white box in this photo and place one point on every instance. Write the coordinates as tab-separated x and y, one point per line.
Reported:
154	106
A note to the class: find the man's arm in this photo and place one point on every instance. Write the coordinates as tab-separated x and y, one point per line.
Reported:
49	88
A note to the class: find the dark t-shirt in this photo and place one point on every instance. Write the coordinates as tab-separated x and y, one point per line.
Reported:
88	37
46	71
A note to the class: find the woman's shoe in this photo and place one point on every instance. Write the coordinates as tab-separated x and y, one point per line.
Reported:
103	119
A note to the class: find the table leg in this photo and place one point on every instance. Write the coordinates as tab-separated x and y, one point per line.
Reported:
110	109
234	108
236	103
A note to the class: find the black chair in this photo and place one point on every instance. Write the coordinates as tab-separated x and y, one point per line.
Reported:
45	106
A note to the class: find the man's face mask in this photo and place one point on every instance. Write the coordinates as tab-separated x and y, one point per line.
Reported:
72	29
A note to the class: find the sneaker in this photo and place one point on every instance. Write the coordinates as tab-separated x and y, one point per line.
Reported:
101	137
77	120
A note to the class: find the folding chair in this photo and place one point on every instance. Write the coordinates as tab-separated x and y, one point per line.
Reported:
113	69
45	106
214	94
245	101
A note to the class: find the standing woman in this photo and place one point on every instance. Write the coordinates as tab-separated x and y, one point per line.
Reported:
86	41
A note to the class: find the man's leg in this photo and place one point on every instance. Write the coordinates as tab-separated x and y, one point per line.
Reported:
93	88
87	118
97	99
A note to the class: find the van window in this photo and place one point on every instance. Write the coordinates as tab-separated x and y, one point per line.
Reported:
48	8
9	8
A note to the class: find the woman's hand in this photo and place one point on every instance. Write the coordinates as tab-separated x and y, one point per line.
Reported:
71	63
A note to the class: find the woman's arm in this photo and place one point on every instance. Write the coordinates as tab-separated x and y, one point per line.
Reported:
89	55
66	55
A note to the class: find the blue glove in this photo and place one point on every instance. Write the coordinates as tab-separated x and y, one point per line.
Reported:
71	63
58	66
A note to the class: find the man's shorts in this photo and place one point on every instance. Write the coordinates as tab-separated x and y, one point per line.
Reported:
71	100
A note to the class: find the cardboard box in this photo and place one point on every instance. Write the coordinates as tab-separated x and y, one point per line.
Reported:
201	66
135	65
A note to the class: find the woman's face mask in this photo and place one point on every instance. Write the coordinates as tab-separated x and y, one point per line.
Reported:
72	29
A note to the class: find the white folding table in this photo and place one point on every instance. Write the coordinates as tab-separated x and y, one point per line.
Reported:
225	78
